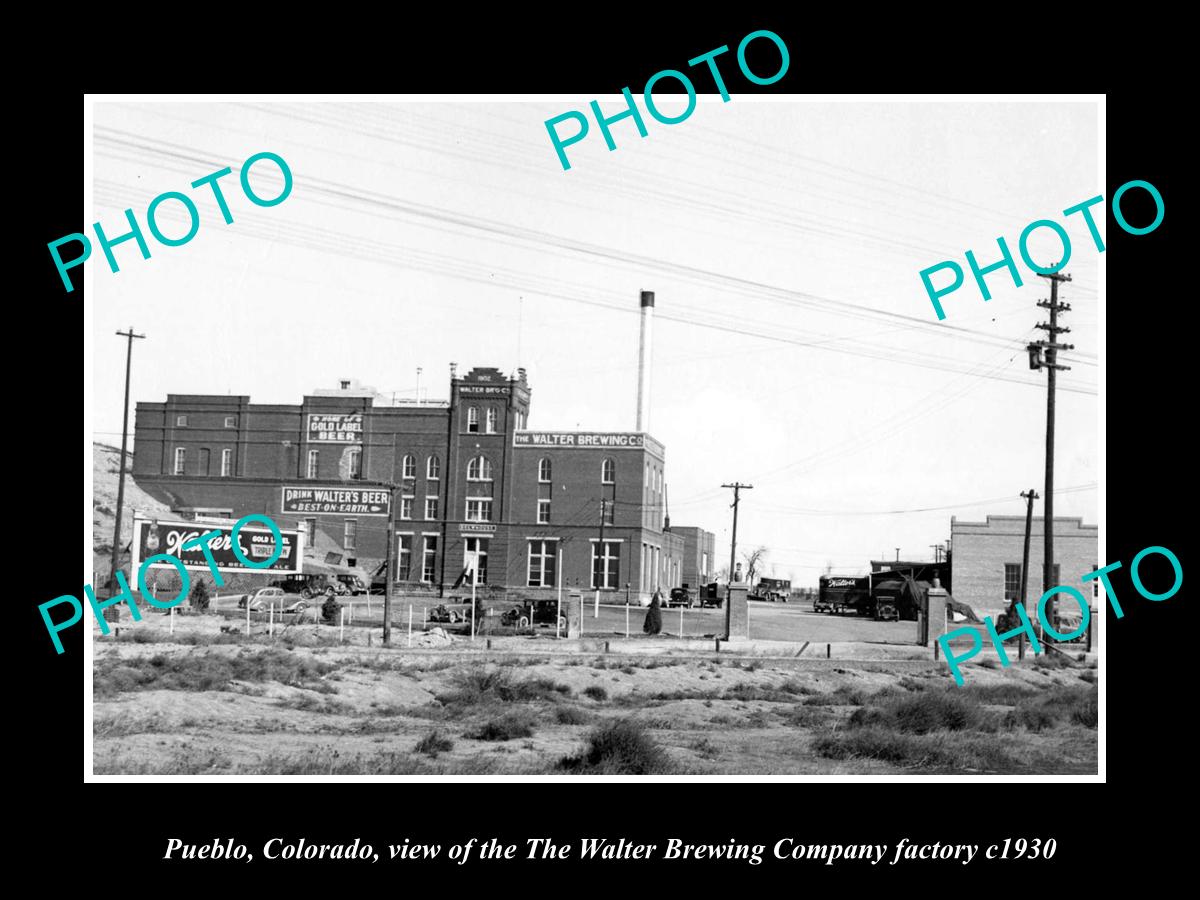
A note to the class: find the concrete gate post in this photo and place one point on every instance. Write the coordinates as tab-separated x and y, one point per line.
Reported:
737	613
573	607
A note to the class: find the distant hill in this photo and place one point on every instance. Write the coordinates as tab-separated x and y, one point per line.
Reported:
104	504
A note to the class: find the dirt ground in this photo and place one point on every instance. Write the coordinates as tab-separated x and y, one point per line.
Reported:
203	701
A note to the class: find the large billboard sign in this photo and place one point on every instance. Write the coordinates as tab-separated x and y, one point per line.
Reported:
589	440
335	501
153	536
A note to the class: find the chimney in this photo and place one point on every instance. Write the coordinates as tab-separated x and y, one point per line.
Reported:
644	349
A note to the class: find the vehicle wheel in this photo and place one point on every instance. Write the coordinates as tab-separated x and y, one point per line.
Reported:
523	622
453	617
306	593
301	607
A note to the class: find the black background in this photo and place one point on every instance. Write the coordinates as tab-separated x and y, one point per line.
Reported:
122	828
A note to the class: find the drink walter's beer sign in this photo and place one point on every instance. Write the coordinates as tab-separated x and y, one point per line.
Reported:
335	428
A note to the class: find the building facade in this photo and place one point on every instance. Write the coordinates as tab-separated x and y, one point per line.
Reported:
987	559
699	547
471	484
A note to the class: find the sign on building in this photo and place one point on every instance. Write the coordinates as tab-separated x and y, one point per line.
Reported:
590	440
151	537
335	428
340	501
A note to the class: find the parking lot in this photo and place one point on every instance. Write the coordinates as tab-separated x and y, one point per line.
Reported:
768	621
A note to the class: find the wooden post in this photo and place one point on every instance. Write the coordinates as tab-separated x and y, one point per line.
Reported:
1091	621
271	620
247	618
410	618
829	651
342	624
681	621
626	620
936	645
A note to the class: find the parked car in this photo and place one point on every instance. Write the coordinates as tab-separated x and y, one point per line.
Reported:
442	613
681	596
262	599
354	584
711	595
307	586
885	608
535	612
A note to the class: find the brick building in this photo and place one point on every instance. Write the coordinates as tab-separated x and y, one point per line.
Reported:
471	481
699	548
987	559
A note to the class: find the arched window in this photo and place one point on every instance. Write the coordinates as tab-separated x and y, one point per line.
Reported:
409	466
543	470
608	472
479	469
433	468
473	419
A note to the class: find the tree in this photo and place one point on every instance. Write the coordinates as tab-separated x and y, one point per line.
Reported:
199	597
755	560
653	623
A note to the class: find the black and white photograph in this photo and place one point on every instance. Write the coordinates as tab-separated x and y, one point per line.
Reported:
676	434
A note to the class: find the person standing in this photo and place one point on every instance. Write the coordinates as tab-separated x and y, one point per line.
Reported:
653	623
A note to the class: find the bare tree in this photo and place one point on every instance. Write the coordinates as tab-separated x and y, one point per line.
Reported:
755	560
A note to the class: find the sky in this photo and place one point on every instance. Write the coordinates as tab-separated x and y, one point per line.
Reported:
795	347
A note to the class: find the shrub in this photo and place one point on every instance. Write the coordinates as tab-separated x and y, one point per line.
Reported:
620	747
1086	712
932	711
571	715
1031	717
329	610
199	598
505	728
653	623
433	744
595	692
488	685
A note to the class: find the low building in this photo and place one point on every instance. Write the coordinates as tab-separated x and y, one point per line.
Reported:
987	559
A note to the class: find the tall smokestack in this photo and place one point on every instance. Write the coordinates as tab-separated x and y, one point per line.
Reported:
644	350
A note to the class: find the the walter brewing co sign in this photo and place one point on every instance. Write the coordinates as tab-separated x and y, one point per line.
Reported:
257	543
590	440
336	501
335	428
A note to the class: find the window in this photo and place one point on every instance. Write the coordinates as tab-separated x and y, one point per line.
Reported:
231	421
310	531
608	472
181	421
473	419
313	459
479	469
226	462
406	507
542	560
1012	581
491	420
408	467
355	460
543	512
350	535
477	550
433	468
403	557
606	565
520	421
180	459
479	510
544	470
431	508
429	559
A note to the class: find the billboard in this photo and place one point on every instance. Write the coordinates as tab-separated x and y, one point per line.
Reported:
336	501
591	440
153	536
335	428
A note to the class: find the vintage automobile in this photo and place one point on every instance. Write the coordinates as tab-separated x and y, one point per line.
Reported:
442	613
534	612
262	599
885	609
681	596
711	595
352	584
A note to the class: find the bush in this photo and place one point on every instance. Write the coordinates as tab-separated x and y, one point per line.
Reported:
199	598
1086	712
653	623
571	715
488	685
595	692
329	610
507	727
433	744
620	747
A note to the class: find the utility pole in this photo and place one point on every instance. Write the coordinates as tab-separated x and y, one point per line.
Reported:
388	575
599	567
737	487
937	555
1044	355
116	545
897	554
1029	496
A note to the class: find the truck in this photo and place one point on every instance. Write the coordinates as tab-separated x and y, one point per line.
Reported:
772	589
837	593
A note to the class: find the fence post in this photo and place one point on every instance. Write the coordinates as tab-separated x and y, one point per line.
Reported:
271	620
172	615
342	624
247	618
626	620
1091	621
410	617
681	621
